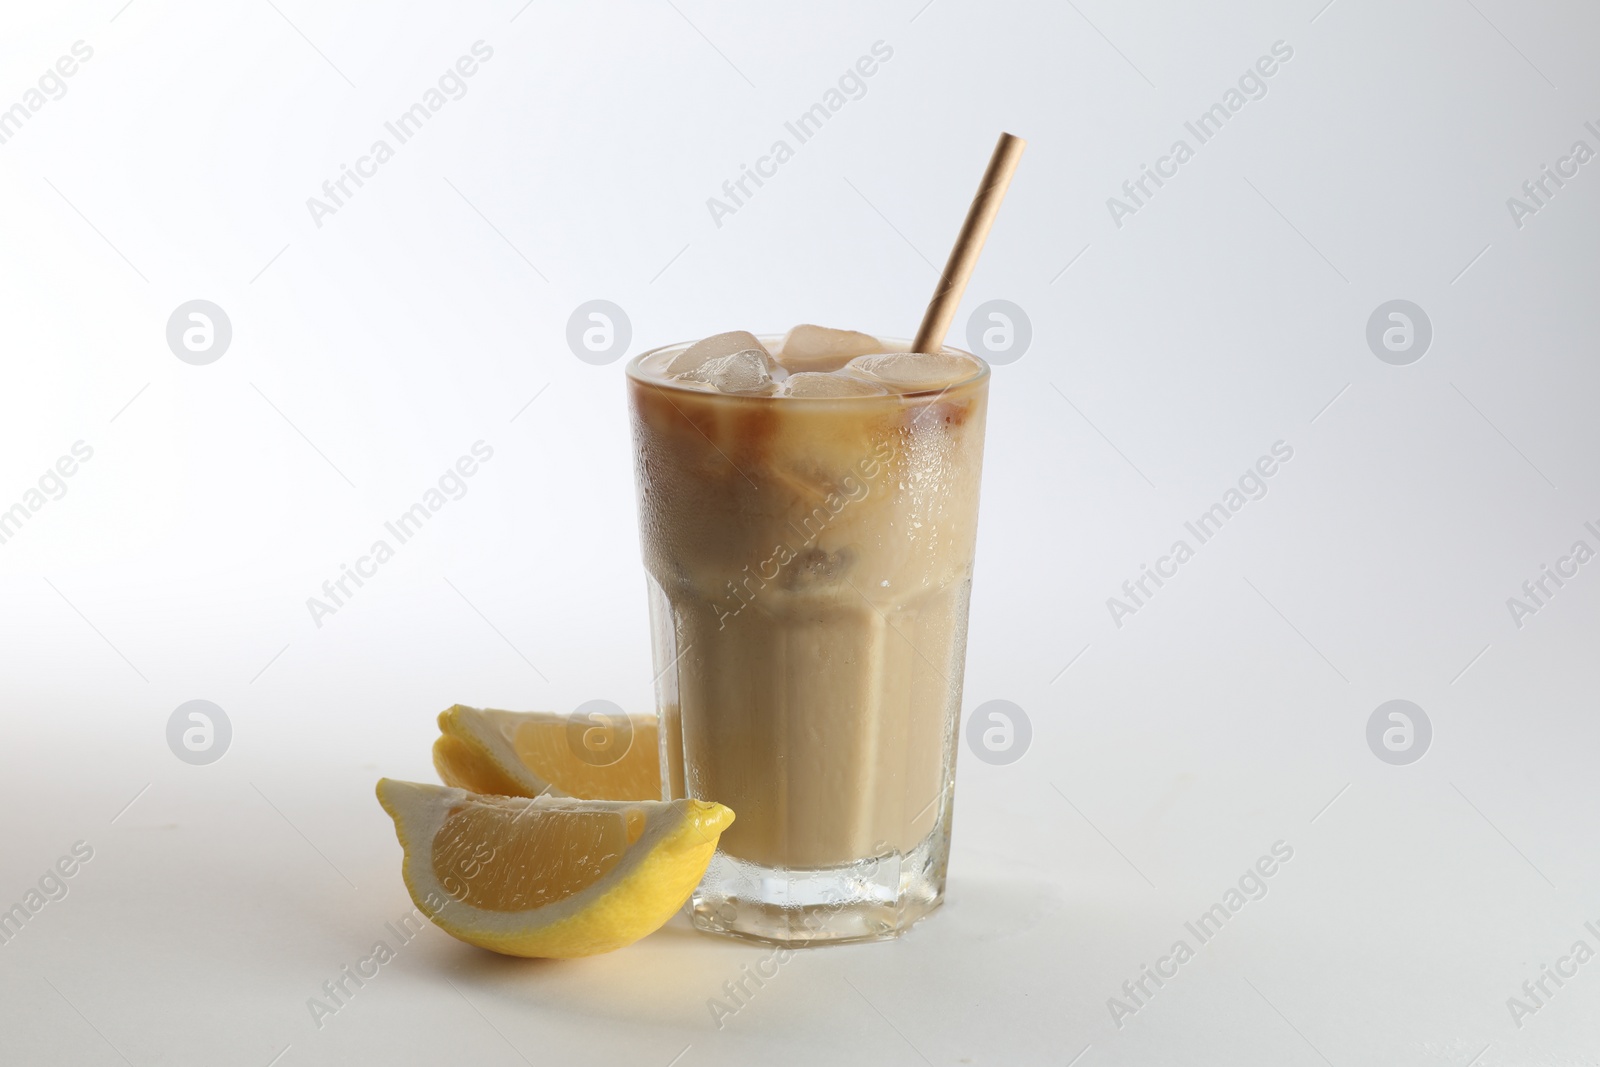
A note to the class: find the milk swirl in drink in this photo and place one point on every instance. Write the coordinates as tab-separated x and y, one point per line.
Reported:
808	510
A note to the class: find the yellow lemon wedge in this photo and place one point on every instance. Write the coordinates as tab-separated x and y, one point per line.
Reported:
534	753
548	876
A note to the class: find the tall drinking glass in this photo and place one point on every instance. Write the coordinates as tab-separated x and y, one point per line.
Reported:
810	562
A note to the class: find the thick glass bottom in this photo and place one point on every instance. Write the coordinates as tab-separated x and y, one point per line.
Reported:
870	900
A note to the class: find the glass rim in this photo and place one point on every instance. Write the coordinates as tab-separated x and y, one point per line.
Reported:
632	370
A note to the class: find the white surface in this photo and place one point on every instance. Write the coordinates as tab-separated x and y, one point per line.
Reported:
1222	317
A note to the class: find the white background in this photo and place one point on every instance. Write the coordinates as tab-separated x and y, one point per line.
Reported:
1227	314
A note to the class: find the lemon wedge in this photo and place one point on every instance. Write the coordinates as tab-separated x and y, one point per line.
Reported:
548	876
534	753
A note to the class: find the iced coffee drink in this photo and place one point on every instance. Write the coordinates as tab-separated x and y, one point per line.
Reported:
808	508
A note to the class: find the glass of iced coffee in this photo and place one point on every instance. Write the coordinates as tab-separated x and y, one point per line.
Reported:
808	507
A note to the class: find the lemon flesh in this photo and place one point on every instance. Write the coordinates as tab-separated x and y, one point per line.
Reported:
536	753
550	877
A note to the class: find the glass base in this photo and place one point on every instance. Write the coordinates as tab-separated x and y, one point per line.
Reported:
870	900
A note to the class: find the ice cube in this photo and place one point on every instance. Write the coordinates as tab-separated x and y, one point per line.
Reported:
697	355
912	372
812	384
817	567
817	348
749	371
